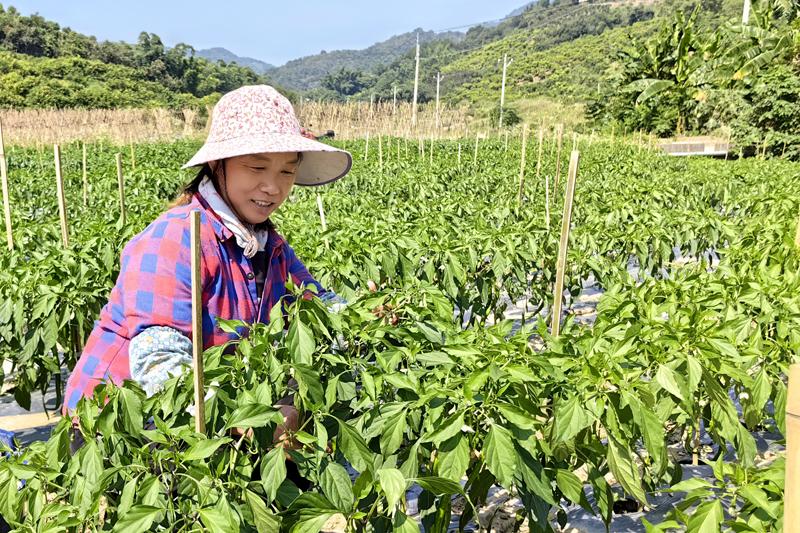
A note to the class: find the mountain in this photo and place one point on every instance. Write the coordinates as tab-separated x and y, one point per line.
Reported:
307	72
217	54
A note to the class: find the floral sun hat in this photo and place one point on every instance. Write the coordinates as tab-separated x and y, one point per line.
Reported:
258	119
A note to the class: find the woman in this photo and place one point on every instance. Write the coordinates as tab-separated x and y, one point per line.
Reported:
254	154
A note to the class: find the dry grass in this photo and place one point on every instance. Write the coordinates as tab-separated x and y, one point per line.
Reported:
37	127
33	127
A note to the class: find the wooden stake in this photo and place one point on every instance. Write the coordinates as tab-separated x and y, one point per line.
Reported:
505	143
380	152
459	155
797	234
546	180
62	204
121	185
197	327
133	153
321	213
791	509
475	157
430	162
6	197
85	178
522	164
559	138
561	265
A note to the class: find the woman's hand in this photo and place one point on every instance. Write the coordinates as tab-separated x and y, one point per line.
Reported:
282	434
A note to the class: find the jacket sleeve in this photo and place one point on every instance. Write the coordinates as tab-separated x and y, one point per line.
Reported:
156	354
302	277
156	301
155	278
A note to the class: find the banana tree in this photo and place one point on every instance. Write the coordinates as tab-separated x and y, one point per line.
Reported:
770	36
672	66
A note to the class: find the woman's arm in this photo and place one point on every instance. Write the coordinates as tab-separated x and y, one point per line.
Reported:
156	301
156	354
302	277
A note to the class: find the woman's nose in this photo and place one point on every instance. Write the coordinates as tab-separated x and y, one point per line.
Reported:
270	186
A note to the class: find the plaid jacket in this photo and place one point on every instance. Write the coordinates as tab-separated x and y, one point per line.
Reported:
154	289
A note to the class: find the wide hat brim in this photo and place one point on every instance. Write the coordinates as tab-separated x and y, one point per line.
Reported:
320	164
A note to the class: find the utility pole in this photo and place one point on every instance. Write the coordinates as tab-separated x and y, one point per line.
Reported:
416	88
746	13
506	63
438	80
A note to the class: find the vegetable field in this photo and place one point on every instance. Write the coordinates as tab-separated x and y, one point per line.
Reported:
423	383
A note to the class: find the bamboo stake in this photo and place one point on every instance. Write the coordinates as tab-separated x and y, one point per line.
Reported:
321	213
85	177
559	139
797	234
62	204
561	265
197	327
430	162
505	143
366	148
133	153
380	152
546	180
121	185
475	157
522	164
6	197
459	155
791	509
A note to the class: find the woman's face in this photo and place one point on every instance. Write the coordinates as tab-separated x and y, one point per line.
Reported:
255	185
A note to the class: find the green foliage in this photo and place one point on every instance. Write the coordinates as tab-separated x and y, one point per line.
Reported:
307	73
57	67
73	82
691	78
345	82
414	384
510	116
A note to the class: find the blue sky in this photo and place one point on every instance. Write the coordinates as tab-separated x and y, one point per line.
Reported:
271	31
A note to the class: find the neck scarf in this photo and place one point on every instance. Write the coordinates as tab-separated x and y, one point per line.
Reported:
250	239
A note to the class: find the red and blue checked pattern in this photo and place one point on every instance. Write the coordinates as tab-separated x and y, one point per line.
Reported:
154	289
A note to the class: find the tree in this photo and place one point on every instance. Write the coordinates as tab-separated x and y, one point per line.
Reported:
346	82
672	63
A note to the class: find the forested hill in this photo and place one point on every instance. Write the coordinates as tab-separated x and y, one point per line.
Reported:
308	72
45	65
536	26
222	54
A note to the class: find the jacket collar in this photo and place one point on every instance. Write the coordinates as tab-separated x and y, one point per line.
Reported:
276	241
